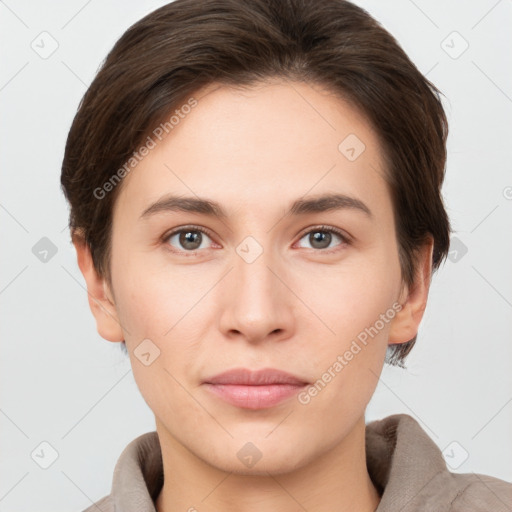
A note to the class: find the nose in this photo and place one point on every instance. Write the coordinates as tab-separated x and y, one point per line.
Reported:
257	300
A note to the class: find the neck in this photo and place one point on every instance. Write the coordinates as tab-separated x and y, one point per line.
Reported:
336	480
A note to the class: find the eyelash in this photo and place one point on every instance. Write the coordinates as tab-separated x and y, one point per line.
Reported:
328	229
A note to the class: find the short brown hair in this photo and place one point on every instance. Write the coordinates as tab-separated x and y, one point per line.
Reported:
174	51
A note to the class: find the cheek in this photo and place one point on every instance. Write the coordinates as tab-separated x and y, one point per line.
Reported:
347	364
165	306
152	298
356	303
161	337
352	296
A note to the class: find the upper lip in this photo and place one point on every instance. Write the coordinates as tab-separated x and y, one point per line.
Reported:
265	376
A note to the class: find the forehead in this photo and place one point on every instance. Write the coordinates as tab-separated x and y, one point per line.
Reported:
259	145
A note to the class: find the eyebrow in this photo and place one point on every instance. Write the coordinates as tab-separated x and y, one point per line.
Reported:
317	204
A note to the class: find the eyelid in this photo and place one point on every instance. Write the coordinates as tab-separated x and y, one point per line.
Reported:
346	238
341	233
191	227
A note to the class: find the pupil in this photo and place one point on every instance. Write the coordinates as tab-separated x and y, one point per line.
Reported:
189	239
321	236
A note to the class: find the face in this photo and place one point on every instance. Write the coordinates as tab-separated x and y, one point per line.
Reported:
265	285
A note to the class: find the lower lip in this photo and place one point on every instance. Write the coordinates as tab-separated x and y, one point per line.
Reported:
254	397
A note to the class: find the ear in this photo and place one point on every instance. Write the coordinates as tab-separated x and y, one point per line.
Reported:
98	293
405	324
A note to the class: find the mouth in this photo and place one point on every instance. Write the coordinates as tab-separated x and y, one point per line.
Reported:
254	389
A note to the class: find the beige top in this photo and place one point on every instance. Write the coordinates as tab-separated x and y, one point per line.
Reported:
406	466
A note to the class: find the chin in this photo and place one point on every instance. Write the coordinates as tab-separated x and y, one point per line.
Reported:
256	458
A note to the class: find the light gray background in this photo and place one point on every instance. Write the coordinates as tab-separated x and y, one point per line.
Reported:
63	384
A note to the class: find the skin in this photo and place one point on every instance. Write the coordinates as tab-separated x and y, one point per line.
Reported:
295	308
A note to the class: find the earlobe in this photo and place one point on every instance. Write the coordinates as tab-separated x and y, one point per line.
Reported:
405	325
102	306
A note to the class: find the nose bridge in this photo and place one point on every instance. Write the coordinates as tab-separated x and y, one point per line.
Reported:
255	281
256	254
257	303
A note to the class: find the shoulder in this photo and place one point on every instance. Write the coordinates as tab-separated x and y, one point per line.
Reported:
137	479
461	492
481	493
410	472
105	504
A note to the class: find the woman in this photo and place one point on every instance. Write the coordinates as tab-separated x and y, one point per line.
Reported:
255	193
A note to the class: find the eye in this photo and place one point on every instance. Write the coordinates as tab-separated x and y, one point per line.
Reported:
188	238
321	237
192	238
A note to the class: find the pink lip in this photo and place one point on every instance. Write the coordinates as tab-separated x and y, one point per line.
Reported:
245	377
254	397
254	389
